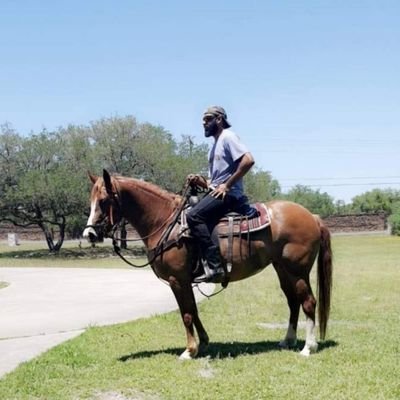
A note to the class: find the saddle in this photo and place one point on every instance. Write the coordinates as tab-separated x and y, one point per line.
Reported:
236	224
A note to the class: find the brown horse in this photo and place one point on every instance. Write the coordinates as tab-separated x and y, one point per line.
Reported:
291	243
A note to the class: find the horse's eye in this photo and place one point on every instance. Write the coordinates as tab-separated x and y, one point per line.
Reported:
103	205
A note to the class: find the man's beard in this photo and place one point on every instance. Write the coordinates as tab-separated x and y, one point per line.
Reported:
211	129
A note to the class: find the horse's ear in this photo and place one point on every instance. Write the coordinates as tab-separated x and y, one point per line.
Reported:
93	178
107	181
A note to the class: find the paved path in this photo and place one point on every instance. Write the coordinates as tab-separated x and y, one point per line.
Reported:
43	307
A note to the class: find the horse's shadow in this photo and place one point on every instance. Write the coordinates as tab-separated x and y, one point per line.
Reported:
218	350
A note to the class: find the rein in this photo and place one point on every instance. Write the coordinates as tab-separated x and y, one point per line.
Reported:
163	244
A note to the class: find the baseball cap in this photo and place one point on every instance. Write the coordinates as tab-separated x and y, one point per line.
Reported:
218	111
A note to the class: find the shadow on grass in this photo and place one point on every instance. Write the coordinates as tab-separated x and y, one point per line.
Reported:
220	350
71	253
62	253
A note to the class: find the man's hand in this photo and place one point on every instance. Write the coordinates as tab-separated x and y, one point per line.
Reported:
245	164
220	191
197	180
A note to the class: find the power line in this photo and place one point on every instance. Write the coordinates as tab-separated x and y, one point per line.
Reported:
346	184
339	178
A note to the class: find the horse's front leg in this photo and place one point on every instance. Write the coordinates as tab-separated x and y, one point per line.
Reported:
183	292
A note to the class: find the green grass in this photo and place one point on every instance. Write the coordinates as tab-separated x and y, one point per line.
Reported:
3	284
138	360
36	254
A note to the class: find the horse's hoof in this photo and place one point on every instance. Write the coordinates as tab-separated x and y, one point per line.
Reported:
305	352
186	355
308	349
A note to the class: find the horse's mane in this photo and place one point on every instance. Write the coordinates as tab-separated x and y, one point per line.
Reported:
147	187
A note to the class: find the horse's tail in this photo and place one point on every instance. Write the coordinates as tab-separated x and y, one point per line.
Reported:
324	286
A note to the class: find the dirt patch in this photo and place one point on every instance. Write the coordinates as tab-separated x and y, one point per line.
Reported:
112	395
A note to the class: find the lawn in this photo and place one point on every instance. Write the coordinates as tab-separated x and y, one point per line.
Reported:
3	284
72	254
139	360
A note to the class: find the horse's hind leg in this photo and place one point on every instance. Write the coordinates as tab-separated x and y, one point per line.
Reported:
287	287
294	280
308	303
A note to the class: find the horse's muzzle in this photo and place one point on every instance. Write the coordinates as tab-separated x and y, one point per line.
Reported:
90	234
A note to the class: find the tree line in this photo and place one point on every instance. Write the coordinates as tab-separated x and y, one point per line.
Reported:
44	183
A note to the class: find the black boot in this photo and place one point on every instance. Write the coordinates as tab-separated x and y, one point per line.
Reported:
212	266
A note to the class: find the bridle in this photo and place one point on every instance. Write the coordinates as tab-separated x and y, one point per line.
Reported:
108	219
162	245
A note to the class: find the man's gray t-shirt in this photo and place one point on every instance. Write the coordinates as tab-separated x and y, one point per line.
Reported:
224	158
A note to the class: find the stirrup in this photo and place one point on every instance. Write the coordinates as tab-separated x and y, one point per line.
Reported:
209	275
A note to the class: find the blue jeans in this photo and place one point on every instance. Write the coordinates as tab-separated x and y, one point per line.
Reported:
204	216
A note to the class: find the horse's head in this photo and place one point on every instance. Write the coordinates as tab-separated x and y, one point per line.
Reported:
104	208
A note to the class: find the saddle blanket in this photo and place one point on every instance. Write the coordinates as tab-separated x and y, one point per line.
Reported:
234	223
241	224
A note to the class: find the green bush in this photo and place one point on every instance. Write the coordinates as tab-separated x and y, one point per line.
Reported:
394	221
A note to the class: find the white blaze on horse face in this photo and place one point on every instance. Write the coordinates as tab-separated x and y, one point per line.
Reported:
91	221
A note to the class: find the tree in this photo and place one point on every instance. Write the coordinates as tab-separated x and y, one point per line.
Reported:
313	200
380	200
77	153
376	200
342	208
45	189
194	156
187	158
113	142
260	186
145	151
394	219
10	146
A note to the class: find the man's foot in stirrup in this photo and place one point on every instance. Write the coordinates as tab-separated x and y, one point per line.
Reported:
210	275
213	270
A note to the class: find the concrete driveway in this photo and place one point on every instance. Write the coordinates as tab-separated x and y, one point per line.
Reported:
43	307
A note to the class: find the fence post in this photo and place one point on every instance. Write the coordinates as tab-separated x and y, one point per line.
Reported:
13	239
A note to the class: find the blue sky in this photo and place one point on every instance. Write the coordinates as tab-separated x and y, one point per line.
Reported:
312	87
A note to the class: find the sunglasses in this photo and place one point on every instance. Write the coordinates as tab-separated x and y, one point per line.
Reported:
208	118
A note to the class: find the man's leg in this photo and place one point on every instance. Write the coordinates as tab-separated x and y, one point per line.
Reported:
201	220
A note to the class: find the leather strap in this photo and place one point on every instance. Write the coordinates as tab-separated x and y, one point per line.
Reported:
229	257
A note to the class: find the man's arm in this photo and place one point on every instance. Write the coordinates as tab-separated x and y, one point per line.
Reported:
246	162
198	180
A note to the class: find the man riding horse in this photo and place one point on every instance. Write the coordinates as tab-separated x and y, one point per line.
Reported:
229	160
294	239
